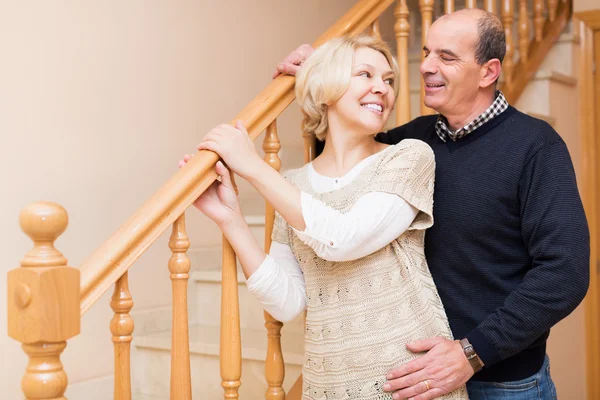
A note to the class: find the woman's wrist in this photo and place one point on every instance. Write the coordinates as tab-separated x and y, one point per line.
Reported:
235	223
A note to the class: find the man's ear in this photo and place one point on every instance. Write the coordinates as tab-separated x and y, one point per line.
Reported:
490	72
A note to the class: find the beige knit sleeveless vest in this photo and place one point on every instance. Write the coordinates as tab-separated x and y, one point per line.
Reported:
361	313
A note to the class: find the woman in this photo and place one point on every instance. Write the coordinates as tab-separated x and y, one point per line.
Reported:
349	229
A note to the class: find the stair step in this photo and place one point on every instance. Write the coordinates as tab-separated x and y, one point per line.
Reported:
207	296
204	340
141	396
545	87
209	257
152	360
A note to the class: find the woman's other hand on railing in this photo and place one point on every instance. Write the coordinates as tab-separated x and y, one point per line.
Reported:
293	62
220	201
235	147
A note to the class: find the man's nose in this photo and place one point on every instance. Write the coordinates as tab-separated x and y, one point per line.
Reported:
428	66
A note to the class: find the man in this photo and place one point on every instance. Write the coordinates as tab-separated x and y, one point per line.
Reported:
509	249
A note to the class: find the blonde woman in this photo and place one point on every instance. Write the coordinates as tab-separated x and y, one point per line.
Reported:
349	230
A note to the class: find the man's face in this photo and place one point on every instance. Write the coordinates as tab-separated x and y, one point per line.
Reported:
449	70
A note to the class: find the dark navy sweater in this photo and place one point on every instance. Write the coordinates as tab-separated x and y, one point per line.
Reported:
509	248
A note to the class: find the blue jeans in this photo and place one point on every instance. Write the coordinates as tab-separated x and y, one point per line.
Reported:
536	387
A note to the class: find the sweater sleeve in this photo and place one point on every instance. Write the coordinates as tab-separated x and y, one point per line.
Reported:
409	172
373	221
555	230
279	284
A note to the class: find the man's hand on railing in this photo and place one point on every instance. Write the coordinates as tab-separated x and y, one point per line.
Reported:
220	201
293	62
235	147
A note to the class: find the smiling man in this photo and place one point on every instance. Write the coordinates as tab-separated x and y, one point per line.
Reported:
509	248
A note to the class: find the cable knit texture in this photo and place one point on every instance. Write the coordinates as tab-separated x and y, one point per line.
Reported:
361	313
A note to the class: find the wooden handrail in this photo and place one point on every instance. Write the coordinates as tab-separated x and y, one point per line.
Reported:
125	246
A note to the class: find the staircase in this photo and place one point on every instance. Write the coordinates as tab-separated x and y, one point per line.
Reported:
195	340
153	348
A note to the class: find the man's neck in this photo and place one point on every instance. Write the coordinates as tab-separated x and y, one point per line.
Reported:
481	103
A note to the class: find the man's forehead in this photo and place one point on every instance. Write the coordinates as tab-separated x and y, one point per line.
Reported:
452	34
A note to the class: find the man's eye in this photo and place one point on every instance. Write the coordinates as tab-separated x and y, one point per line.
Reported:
447	58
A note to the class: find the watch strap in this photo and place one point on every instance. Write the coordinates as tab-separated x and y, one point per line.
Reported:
471	355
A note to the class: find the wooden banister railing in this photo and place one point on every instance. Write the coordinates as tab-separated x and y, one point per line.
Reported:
116	255
523	71
47	298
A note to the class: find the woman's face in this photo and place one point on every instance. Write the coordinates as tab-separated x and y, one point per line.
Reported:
369	99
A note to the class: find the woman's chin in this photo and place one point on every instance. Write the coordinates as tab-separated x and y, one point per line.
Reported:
374	128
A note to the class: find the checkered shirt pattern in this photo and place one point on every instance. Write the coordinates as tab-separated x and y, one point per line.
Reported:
498	107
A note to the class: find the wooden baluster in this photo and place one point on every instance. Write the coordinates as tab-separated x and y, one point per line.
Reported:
438	9
538	19
374	29
507	21
470	3
231	339
274	365
490	6
448	6
310	146
43	302
402	30
552	5
523	30
121	327
426	7
179	267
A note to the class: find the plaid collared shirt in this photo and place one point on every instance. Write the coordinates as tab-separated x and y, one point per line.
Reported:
498	107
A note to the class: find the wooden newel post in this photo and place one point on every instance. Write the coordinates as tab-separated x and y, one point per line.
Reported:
43	302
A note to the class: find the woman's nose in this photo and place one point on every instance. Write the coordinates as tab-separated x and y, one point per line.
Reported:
379	86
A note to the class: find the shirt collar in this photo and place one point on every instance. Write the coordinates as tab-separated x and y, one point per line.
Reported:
498	107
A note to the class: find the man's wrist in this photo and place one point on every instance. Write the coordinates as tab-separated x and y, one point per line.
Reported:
471	355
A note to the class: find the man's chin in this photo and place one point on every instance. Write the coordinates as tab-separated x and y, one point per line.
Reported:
432	103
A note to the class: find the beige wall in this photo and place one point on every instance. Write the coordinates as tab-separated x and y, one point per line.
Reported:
99	99
584	5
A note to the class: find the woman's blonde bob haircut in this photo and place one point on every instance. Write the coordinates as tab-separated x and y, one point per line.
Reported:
325	77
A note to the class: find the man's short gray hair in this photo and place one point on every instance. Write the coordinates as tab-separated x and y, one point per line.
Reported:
491	42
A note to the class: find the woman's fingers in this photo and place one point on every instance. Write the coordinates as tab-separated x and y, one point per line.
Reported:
186	158
240	125
224	174
210	137
209	145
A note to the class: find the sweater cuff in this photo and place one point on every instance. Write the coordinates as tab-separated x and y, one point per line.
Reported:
483	347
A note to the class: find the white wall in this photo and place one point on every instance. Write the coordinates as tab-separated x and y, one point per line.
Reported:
585	5
98	101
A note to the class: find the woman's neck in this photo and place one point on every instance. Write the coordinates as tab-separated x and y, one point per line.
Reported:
342	152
